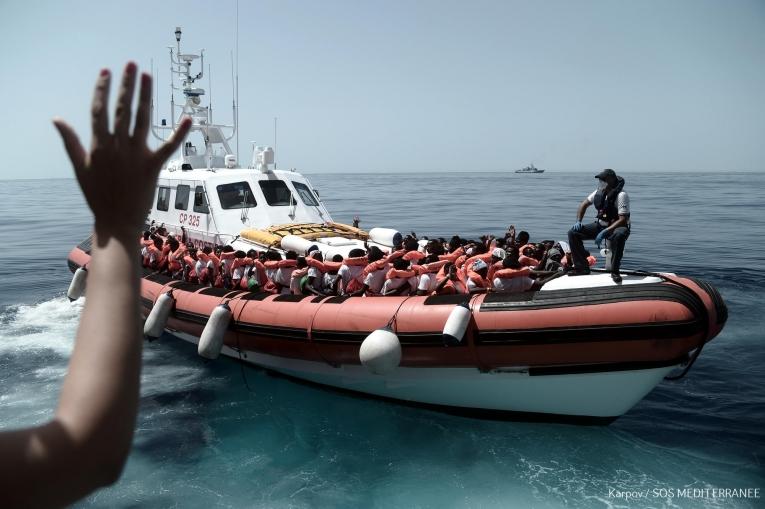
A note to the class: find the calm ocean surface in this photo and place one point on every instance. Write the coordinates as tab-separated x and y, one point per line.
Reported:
205	440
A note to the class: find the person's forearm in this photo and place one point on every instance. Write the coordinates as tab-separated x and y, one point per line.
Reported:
99	397
581	210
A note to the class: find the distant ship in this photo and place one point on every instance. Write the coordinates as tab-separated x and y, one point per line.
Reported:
530	169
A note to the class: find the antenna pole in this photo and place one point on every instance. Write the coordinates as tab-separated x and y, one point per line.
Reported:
236	111
236	119
274	142
153	115
209	87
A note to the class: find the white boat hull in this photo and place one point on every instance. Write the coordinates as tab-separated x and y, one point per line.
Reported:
601	395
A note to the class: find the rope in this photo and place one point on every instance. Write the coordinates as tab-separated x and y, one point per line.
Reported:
392	322
239	349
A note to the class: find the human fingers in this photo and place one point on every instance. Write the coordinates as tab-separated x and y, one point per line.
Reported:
171	145
122	117
98	112
72	144
142	116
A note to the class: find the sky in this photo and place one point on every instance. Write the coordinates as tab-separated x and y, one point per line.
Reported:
414	86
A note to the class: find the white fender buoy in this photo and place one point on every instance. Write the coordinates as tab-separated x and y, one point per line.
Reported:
211	340
385	236
157	319
380	352
297	244
456	324
77	286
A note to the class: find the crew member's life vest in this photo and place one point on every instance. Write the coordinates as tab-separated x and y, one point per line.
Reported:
605	202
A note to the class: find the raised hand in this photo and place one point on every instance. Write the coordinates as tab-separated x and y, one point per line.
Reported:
119	174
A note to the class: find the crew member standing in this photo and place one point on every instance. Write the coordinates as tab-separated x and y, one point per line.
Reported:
612	222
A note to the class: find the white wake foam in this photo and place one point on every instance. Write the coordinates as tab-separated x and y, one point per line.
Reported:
48	325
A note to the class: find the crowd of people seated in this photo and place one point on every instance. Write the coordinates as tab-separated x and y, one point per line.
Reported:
509	264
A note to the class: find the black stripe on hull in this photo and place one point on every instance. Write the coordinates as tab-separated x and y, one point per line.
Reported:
610	367
721	310
610	333
356	338
591	296
190	317
267	331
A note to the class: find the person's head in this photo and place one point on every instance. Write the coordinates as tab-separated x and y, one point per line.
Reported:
450	270
454	243
355	253
252	254
291	255
431	258
528	251
218	249
273	256
479	248
435	247
311	250
511	261
158	243
207	250
500	242
410	243
480	268
522	238
374	254
228	249
316	255
173	243
498	254
339	258
240	254
301	263
146	235
606	179
400	264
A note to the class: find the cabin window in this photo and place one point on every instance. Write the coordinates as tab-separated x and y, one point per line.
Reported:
182	197
163	198
276	192
200	201
236	195
305	194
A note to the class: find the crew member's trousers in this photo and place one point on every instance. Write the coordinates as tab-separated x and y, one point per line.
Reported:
617	239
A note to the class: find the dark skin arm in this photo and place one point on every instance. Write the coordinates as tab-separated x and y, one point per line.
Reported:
361	292
336	286
309	286
86	444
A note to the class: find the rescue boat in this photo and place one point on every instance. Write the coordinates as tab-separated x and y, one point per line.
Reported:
581	349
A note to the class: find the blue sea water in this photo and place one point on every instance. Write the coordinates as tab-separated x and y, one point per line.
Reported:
221	434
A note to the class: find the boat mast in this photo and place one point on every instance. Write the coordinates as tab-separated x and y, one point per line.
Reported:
201	116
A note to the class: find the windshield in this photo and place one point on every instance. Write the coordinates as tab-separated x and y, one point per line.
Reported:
237	195
305	194
276	192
